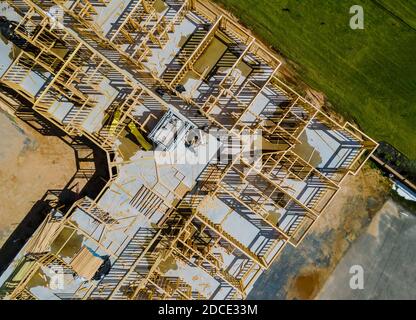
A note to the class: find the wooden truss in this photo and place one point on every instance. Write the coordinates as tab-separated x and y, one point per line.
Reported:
76	66
76	77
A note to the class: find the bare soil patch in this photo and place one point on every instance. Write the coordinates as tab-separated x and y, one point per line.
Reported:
347	217
30	165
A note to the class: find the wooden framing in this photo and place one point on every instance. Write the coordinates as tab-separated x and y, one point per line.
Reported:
76	64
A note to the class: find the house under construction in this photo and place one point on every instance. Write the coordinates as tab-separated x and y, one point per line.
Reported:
215	163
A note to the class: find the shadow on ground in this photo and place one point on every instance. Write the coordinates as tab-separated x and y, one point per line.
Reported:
90	177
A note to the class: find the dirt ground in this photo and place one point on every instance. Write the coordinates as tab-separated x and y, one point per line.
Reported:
300	273
358	201
30	164
386	254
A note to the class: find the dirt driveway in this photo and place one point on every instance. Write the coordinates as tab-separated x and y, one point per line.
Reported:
300	273
30	164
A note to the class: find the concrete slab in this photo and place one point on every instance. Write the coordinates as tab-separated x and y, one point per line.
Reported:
386	254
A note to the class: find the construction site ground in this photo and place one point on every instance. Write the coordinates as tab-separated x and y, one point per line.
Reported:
386	254
301	273
30	165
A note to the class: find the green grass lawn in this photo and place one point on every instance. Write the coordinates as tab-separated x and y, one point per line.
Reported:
368	75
